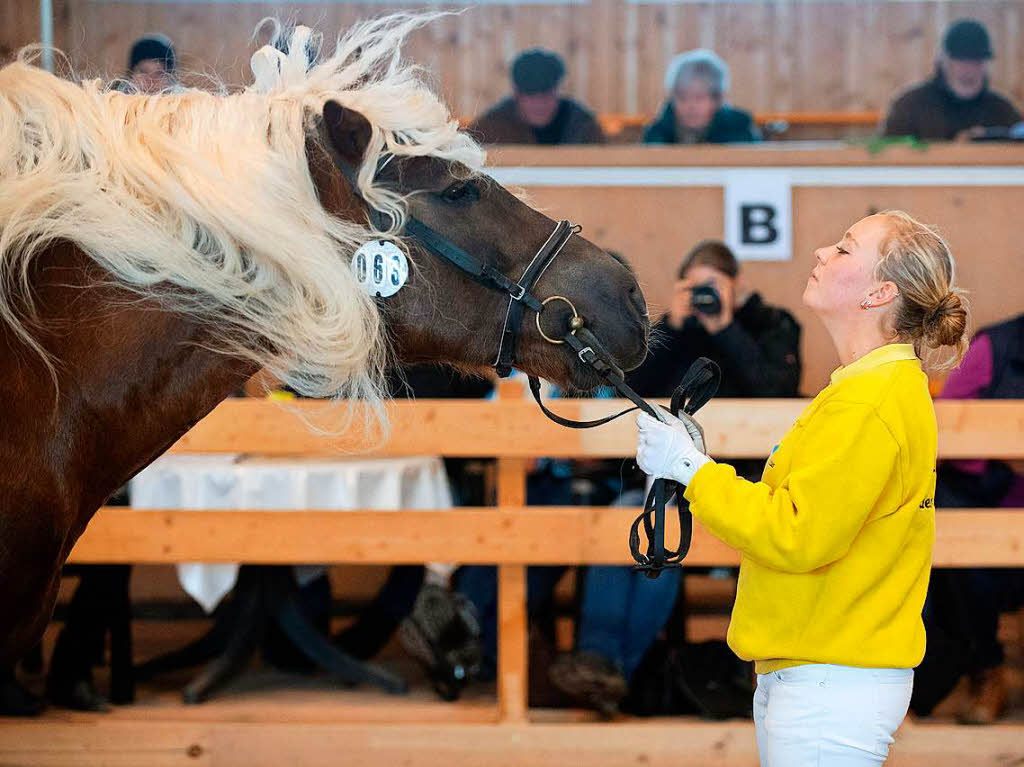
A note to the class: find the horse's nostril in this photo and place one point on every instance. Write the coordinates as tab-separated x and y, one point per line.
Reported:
636	298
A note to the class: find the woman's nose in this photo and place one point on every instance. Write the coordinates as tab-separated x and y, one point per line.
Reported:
821	255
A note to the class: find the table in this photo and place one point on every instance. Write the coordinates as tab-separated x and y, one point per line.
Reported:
266	594
251	482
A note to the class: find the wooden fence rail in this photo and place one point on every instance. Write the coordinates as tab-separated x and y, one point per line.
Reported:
512	535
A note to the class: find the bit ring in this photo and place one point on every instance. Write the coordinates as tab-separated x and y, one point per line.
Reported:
575	322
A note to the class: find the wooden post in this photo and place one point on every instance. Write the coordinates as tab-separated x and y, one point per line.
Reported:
512	623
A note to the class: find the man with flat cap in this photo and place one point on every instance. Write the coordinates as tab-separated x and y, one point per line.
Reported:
956	103
535	113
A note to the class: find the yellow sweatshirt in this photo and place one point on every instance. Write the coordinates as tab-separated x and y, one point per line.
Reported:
836	539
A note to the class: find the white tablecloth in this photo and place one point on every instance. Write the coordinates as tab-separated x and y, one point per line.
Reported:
246	482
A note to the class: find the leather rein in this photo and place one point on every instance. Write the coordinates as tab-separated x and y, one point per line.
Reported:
698	385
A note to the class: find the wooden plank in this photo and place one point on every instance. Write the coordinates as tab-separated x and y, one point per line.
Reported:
769	154
104	742
64	744
512	481
517	429
513	676
466	56
514	536
19	25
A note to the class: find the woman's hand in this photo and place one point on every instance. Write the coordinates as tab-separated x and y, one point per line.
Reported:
681	306
673	449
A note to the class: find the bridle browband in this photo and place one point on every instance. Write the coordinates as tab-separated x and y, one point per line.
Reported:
698	385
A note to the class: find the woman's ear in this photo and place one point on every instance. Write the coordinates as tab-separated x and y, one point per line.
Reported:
885	293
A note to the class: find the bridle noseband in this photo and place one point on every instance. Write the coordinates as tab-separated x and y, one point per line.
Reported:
698	385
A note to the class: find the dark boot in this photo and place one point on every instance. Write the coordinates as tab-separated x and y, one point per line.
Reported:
591	680
15	700
78	695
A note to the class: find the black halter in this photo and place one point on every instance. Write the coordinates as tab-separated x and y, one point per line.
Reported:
518	292
698	385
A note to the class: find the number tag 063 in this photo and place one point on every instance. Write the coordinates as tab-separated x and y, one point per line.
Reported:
381	268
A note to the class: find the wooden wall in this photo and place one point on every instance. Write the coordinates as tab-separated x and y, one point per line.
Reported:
654	226
844	55
19	25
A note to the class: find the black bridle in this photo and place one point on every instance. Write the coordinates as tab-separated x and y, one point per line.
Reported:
698	385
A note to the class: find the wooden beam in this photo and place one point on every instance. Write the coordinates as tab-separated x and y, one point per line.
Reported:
513	674
100	741
512	536
767	154
512	481
513	626
517	429
613	123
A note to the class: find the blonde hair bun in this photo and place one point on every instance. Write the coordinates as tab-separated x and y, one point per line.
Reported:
946	324
931	311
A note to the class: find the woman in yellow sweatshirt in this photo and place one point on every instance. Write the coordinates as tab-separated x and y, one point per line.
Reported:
836	539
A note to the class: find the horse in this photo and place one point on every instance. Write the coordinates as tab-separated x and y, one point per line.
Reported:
156	251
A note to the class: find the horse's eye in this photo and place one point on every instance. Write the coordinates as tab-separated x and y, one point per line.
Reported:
461	191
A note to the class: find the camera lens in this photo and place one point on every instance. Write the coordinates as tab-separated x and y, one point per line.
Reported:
706	300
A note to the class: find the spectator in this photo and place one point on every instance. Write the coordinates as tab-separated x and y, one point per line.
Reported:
956	103
152	64
535	113
758	347
964	605
695	112
551	482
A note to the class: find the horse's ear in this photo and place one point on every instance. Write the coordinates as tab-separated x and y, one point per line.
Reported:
347	130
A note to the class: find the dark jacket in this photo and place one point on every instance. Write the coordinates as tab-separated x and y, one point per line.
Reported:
572	124
759	354
931	111
728	125
1007	359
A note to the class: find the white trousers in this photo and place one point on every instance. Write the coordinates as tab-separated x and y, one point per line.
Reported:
822	715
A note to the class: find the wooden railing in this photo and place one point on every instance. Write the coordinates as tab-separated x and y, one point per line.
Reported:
512	535
613	124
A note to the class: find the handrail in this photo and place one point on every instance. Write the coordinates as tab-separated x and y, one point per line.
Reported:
515	428
508	535
614	123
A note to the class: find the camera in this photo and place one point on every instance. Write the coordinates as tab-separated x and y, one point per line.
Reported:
706	299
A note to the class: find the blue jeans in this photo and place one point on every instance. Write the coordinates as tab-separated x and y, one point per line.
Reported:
623	611
479	584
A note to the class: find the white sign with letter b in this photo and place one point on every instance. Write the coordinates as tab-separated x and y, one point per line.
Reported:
758	216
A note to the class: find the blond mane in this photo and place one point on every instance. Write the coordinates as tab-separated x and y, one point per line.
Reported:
211	195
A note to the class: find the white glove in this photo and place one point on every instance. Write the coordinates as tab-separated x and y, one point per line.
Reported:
673	449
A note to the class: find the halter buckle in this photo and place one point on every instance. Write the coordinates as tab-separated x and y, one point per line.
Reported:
518	293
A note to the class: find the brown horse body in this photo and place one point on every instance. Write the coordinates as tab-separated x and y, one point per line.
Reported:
132	377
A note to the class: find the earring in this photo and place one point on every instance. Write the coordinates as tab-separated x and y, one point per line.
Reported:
865	304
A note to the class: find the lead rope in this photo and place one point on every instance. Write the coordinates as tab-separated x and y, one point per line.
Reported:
695	389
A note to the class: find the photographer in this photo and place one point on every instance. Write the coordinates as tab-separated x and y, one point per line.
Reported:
757	346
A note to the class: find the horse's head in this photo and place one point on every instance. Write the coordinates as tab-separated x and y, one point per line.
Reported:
443	316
